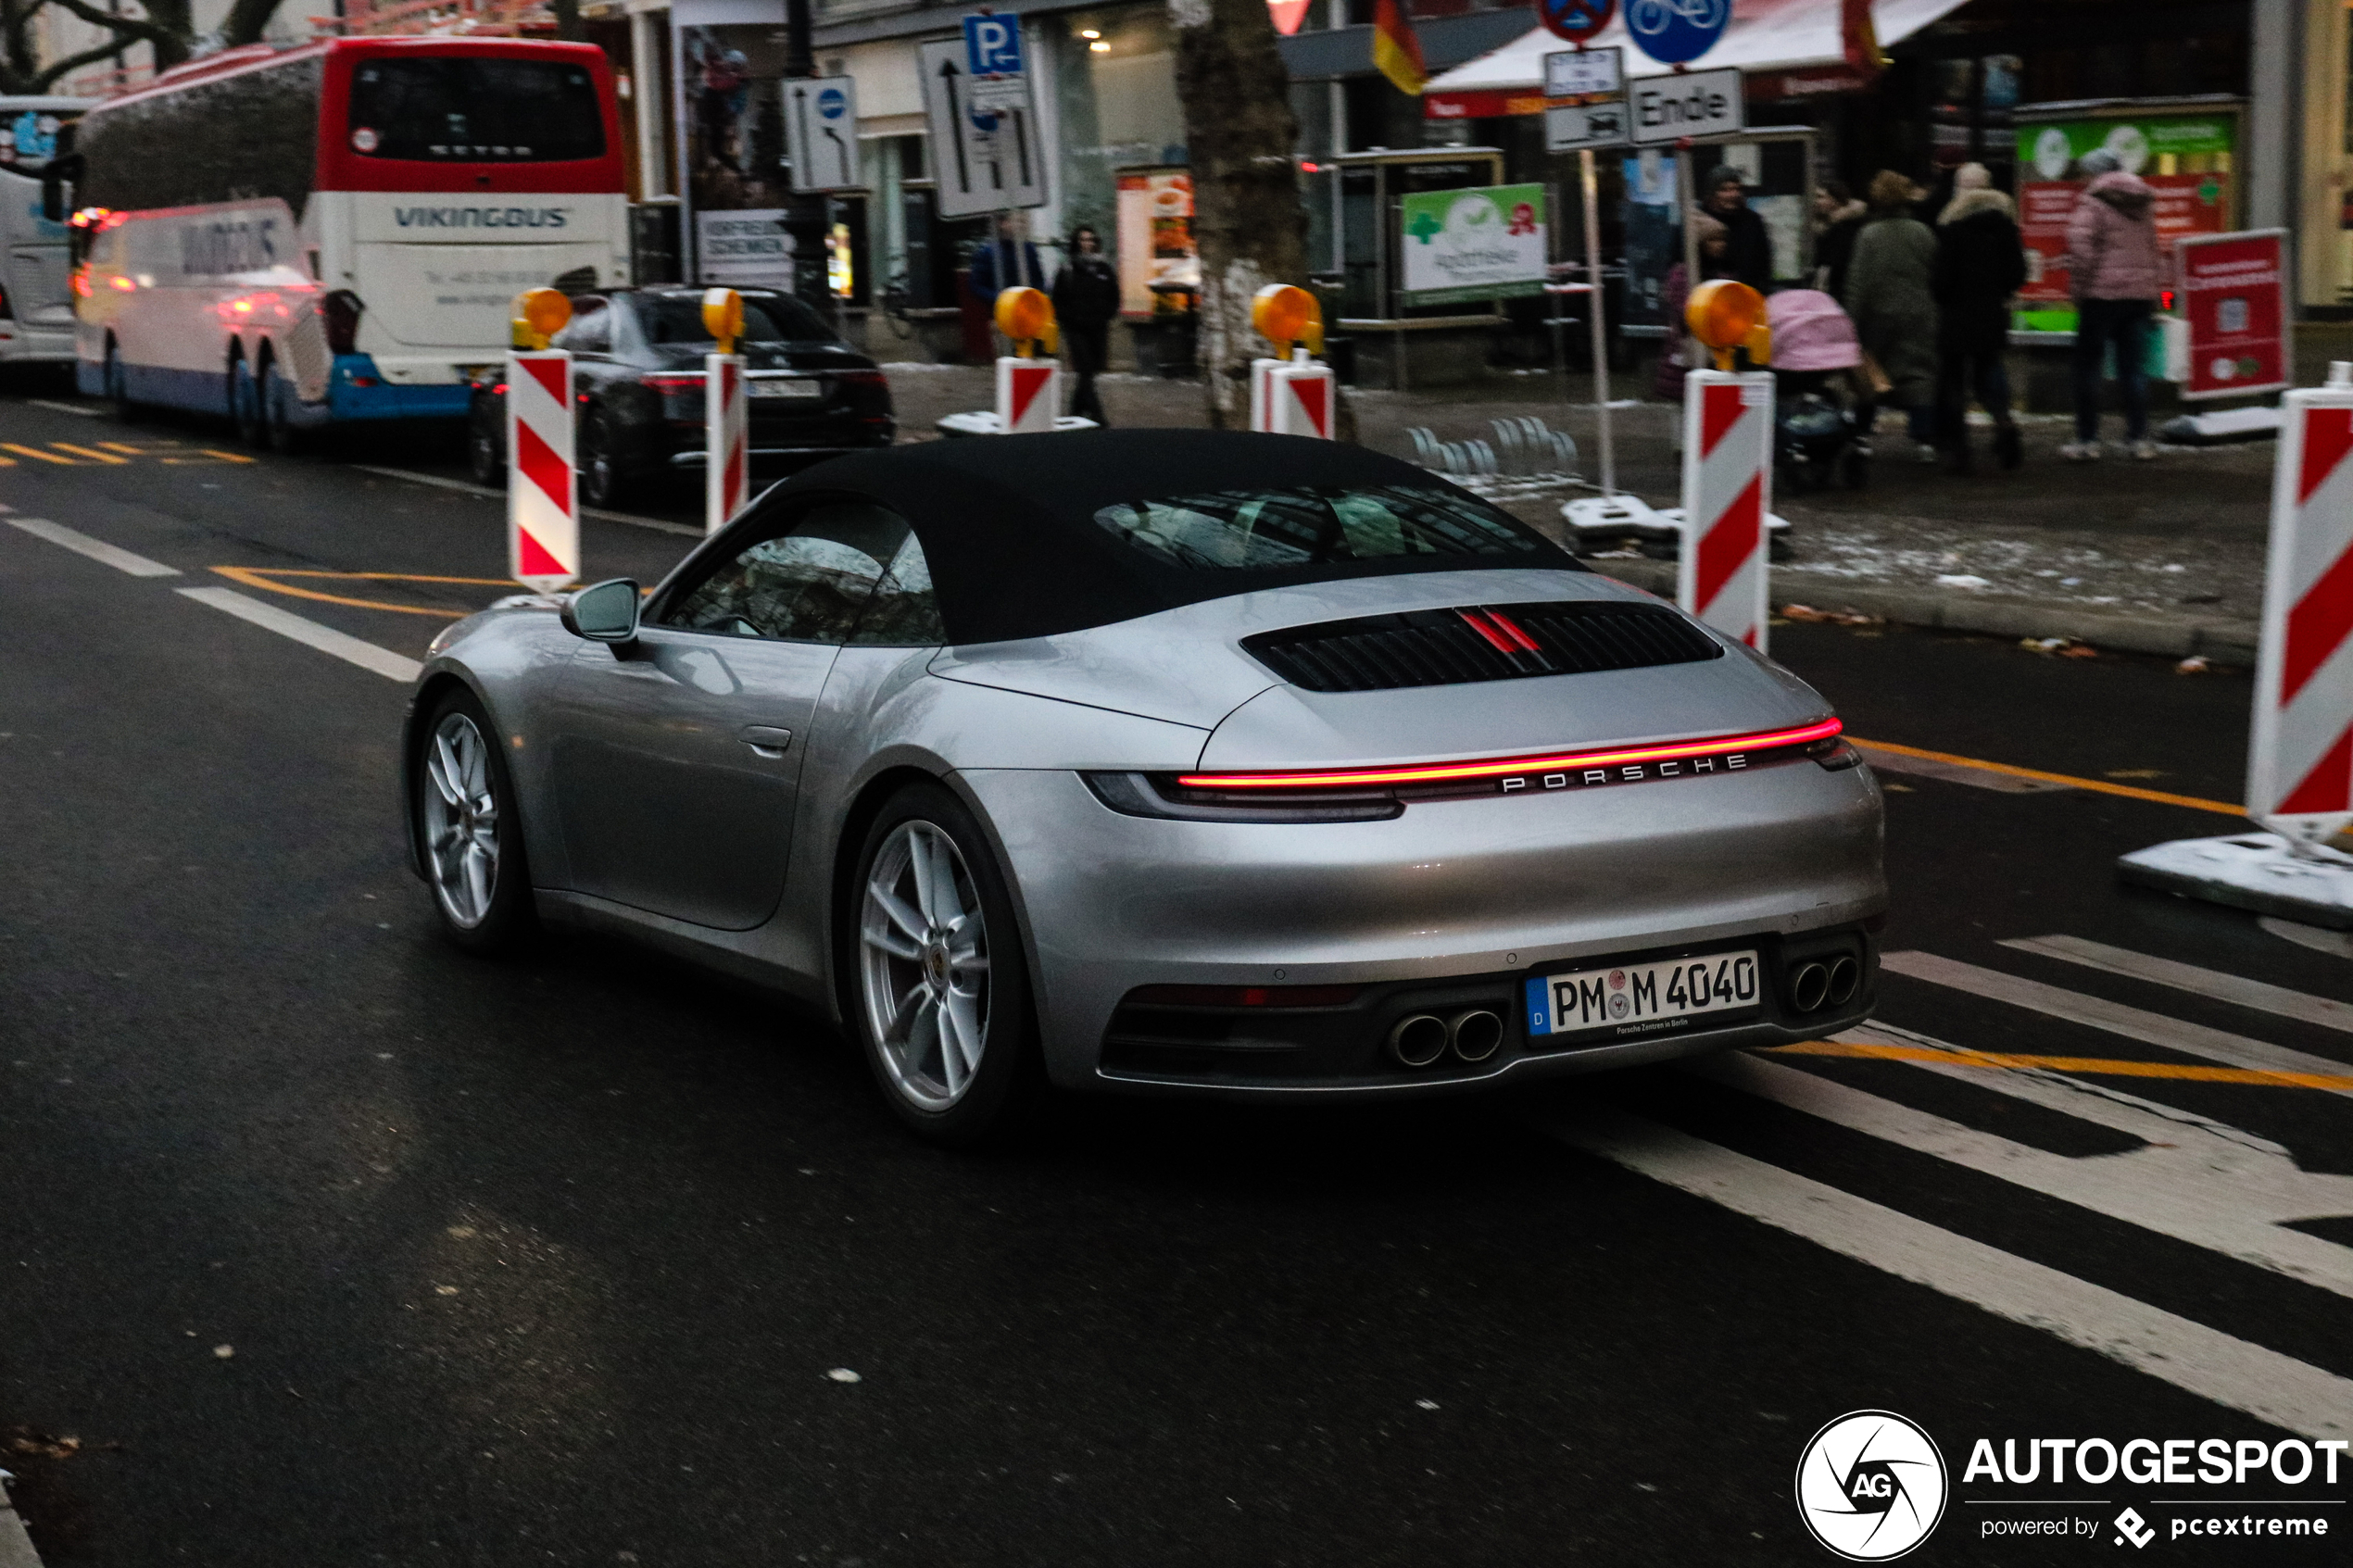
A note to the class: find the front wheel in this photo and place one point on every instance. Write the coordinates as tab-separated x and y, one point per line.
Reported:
467	826
936	988
278	398
602	483
244	402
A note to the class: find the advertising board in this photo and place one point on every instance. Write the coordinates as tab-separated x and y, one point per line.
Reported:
1484	243
2234	294
2187	158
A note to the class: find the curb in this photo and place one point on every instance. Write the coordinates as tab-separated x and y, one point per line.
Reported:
2231	642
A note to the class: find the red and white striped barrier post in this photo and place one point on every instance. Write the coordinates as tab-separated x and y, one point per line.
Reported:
1294	394
543	514
1029	390
2299	757
726	421
1727	490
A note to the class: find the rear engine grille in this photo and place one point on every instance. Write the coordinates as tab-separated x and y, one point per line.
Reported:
1437	647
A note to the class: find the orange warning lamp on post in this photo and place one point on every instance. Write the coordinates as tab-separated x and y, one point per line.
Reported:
540	314
1027	316
722	317
1286	314
1726	315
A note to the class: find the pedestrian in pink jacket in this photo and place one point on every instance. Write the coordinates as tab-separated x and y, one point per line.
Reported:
2113	271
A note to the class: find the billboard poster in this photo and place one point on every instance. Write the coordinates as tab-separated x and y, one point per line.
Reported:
2233	293
1654	237
746	249
1485	242
1159	263
2187	158
730	99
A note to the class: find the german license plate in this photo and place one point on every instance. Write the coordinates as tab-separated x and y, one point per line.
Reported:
782	389
1641	998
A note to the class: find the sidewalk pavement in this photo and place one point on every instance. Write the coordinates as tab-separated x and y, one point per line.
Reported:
2164	555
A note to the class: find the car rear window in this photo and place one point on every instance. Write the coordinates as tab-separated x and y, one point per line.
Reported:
450	108
677	319
1241	530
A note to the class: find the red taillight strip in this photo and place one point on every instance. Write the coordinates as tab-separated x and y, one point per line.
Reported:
1440	771
1477	621
1511	629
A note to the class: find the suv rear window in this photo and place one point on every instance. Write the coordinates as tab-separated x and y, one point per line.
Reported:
1319	525
450	108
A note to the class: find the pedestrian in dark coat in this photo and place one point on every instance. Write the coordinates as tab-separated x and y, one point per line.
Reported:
1979	264
1085	302
1838	218
1748	253
1889	294
2115	273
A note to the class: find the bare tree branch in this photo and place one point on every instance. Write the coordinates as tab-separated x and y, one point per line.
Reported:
248	20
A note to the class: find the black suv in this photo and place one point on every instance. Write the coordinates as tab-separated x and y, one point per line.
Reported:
637	372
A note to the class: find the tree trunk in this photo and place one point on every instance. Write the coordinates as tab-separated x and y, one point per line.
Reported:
1246	216
569	26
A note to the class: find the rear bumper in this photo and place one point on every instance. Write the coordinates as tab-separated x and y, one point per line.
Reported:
1454	903
22	344
357	389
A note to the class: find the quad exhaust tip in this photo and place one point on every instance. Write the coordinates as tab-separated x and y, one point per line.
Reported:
1845	975
1809	987
1419	1039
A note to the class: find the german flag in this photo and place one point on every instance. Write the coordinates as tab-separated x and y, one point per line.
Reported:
1397	54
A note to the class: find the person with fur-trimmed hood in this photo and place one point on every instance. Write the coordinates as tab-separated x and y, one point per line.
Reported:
2115	273
1837	218
1979	264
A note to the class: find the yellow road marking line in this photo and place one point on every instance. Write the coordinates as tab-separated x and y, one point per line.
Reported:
44	457
2102	787
216	453
140	451
91	453
265	578
2097	1067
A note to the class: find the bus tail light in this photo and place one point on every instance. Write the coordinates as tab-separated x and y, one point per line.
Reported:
342	310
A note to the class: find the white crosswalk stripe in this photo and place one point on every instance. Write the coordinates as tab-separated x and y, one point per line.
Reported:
2189	978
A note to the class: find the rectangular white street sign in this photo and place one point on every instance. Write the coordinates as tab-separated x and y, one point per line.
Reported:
1701	103
983	159
1571	126
1583	73
821	132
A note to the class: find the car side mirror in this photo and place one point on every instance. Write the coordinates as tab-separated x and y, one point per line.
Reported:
604	613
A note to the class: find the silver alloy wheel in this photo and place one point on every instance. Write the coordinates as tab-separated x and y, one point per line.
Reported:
922	964
461	820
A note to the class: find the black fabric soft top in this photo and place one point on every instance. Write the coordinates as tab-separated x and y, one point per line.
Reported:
1008	522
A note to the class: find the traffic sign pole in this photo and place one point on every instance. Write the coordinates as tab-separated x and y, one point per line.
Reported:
1591	181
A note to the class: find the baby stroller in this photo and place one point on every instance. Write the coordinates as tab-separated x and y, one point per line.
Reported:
1815	355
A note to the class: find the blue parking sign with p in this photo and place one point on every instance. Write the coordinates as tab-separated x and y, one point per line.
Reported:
992	46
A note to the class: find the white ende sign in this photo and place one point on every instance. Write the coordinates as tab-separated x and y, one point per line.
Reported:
1487	242
747	249
1700	102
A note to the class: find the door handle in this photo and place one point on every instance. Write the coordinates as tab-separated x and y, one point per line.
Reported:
765	739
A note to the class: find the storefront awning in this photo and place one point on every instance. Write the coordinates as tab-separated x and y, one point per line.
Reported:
1798	37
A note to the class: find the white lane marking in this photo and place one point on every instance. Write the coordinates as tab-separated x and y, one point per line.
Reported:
2210	1191
16	1547
2190	978
67	408
97	549
2305	1399
468	487
1952	773
2339	943
326	639
2150	1028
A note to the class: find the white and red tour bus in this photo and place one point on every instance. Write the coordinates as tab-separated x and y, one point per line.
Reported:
335	232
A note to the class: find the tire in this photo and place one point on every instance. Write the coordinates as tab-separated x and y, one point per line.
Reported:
119	388
889	957
480	880
278	398
244	402
486	444
602	483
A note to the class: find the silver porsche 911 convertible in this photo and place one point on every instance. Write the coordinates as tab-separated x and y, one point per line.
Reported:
1160	761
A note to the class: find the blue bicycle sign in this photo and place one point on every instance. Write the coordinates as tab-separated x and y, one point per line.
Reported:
1675	31
1576	20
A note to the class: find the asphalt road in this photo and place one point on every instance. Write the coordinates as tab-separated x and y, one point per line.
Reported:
331	1245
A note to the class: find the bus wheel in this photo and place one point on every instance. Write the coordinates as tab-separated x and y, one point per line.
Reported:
277	410
118	387
244	402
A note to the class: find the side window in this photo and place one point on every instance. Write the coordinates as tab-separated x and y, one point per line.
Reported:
590	328
903	612
807	583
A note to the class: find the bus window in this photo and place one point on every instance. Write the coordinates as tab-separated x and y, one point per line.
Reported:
475	110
